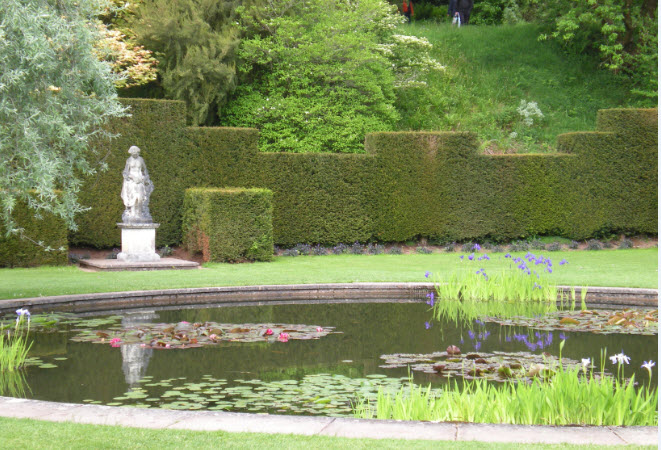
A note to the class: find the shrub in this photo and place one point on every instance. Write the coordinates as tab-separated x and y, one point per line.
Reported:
339	249
554	246
450	247
375	249
573	245
290	252
594	244
537	244
498	249
319	250
519	246
395	250
229	224
303	249
356	249
626	243
423	250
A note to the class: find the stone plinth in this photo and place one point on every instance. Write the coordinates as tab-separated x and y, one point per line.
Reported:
138	242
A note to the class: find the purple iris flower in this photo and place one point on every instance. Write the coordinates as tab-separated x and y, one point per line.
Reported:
477	345
508	339
427	273
477	247
461	341
461	257
479	322
532	347
486	334
427	325
549	270
471	256
562	336
563	262
471	335
430	296
507	255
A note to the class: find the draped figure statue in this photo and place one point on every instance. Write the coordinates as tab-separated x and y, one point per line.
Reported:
136	189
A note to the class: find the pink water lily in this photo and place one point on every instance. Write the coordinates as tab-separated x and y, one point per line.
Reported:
268	332
114	342
319	329
284	337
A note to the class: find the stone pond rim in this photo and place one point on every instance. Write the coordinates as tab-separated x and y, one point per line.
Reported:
602	297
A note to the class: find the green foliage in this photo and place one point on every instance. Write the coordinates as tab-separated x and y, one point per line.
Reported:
229	224
55	96
195	42
41	240
624	34
319	75
14	347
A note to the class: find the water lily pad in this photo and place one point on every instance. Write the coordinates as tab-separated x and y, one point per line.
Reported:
627	321
496	366
47	366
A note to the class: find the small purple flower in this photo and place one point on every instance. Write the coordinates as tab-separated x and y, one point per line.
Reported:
427	273
430	296
508	339
507	255
477	345
531	346
427	325
563	262
461	257
562	336
486	334
461	341
549	270
479	322
471	335
471	256
536	286
477	247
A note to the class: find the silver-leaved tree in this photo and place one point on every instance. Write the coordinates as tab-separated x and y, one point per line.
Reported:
55	96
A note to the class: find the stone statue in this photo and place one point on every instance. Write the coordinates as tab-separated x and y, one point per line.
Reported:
136	189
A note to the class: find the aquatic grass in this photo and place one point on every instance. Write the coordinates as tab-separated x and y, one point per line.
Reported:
567	398
14	347
521	289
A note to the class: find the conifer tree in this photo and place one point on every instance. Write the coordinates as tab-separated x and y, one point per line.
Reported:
195	42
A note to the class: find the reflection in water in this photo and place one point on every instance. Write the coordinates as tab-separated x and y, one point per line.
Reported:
135	359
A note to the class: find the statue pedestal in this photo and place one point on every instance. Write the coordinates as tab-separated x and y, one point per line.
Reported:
138	242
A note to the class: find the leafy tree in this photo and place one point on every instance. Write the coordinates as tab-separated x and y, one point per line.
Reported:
318	75
195	42
624	32
135	65
55	95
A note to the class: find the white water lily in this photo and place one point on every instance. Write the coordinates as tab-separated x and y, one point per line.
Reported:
586	362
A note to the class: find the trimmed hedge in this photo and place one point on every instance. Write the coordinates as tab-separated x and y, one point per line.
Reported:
229	224
407	185
21	252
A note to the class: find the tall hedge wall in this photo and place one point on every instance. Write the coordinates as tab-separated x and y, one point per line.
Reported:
432	184
22	252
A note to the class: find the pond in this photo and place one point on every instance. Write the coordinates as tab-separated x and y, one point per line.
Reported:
347	350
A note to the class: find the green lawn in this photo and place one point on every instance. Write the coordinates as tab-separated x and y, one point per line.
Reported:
33	434
621	268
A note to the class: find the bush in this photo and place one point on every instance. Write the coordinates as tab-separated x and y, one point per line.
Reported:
229	224
395	250
626	243
423	250
554	246
594	244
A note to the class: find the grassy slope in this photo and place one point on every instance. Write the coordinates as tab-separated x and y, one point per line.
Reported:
625	268
490	69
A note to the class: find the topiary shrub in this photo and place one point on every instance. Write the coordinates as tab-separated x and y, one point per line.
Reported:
39	233
229	224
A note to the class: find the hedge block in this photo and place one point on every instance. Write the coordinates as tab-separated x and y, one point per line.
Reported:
230	224
48	229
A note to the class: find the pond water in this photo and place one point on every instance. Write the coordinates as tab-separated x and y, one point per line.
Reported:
321	375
